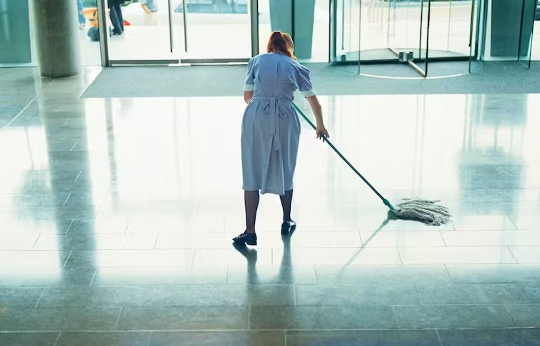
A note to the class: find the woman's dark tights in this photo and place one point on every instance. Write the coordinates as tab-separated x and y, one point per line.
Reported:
251	202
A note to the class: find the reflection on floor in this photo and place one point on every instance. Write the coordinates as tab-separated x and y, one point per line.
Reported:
116	218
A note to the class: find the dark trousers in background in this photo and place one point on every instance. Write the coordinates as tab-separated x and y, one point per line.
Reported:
117	19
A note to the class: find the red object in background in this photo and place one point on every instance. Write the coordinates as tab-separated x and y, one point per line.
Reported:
126	23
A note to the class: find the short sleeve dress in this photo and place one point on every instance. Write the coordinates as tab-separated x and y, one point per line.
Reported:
270	126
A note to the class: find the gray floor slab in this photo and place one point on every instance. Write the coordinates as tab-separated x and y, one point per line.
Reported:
362	338
261	338
471	294
104	338
526	315
453	316
494	273
16	319
185	295
322	317
382	274
350	295
28	339
485	337
184	318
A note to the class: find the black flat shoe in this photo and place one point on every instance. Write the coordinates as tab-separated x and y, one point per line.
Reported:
247	238
288	227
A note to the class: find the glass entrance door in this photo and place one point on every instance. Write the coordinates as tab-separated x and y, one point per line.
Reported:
178	31
212	30
417	33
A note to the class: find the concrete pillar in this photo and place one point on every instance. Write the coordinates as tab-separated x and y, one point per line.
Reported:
57	37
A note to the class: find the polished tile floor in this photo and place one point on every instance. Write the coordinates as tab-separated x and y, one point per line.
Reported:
116	217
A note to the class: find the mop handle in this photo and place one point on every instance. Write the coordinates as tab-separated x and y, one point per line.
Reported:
385	201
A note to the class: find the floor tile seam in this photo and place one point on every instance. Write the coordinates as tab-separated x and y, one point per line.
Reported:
125	331
512	253
399	256
249	306
67	199
507	308
93	279
39	299
248	318
57	338
78	175
476	208
439	337
150	336
79	96
120	312
523	292
67	258
511	218
21	112
35	242
418	294
449	275
155	242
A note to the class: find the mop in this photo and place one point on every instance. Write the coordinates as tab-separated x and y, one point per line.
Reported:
430	212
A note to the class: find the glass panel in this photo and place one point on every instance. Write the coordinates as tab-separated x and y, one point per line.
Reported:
397	25
450	28
375	23
503	32
425	32
140	30
424	49
416	23
311	26
347	30
527	23
216	29
405	26
15	35
88	32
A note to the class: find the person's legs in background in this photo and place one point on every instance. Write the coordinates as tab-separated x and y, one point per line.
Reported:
120	16
117	19
82	19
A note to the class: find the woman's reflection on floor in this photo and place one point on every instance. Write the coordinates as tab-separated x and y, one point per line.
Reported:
285	274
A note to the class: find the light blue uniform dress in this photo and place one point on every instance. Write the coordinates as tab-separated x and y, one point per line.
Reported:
271	128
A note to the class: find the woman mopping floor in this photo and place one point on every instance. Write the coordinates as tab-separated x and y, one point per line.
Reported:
271	129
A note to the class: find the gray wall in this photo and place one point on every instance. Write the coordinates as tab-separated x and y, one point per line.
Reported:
15	44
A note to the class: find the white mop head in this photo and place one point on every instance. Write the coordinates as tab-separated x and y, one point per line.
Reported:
430	212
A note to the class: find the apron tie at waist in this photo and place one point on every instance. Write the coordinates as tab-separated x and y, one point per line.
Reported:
274	109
